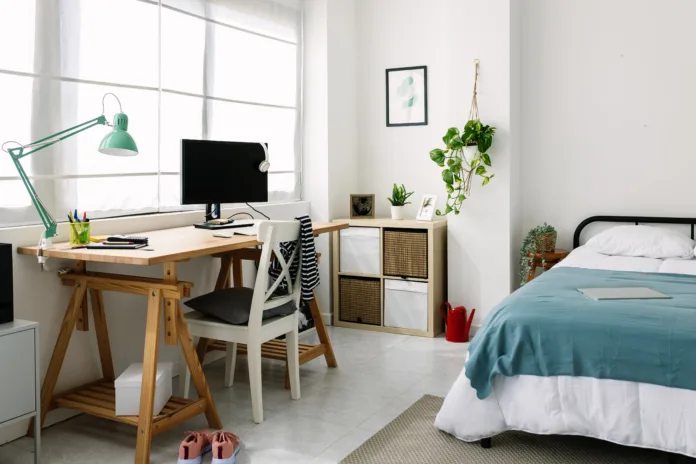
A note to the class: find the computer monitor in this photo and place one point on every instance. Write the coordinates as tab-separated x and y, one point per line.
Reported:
214	172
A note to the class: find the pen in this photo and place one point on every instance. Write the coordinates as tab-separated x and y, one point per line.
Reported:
118	243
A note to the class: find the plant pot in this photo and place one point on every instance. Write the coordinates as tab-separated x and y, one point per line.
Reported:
469	152
546	243
397	212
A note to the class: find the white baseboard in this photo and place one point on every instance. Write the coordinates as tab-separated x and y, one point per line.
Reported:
328	318
473	330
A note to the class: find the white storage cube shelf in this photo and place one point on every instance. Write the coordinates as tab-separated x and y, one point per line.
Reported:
406	304
360	250
128	386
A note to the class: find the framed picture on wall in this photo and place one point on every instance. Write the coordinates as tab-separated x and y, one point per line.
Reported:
407	96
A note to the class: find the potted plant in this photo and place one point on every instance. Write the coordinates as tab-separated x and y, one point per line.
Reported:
465	156
398	201
541	239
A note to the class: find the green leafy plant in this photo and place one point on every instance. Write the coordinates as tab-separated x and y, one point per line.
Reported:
529	246
399	196
459	172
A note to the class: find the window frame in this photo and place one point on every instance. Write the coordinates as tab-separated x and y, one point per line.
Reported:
26	215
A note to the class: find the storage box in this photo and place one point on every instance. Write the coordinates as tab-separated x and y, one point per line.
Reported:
128	389
406	253
360	250
406	304
360	300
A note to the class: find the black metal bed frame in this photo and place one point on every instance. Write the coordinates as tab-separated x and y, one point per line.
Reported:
633	219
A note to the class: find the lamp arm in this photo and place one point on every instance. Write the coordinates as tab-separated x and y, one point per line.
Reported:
18	153
57	137
48	221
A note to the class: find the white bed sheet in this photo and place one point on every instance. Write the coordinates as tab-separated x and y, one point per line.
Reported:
628	413
585	257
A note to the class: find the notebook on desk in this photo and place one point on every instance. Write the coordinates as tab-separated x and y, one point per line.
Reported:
124	246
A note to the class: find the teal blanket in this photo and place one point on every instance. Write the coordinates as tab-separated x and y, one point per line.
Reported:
548	328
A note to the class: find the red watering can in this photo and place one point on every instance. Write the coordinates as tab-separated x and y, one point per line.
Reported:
458	325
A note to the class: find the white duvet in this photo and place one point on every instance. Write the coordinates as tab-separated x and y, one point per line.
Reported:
628	413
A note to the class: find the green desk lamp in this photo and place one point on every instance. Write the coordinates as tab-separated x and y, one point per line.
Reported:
116	143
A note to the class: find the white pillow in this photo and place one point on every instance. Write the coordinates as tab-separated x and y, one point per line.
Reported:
646	241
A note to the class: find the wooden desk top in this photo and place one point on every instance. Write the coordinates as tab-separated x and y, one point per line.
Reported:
169	245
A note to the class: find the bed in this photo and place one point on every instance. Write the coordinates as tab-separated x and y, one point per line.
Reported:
638	391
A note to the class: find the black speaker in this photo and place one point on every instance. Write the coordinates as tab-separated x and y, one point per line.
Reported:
6	300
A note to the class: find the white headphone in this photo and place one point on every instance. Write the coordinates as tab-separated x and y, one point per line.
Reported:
265	164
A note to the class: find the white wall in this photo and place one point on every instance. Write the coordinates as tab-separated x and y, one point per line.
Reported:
608	97
315	139
445	35
393	34
40	297
330	136
342	59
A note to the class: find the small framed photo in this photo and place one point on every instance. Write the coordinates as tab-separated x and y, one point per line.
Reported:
407	96
362	206
427	208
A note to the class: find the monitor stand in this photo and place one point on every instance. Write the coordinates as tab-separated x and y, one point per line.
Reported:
212	214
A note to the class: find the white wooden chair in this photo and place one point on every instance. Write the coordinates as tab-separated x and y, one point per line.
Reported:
258	330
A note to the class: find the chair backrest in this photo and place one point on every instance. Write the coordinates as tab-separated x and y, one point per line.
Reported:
272	234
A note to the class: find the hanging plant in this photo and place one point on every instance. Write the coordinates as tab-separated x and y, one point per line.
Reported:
459	169
541	239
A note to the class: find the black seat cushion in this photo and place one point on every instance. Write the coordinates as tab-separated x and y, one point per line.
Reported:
233	305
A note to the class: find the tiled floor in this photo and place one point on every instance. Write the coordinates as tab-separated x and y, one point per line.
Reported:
379	376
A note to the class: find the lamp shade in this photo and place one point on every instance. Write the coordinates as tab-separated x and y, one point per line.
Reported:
119	142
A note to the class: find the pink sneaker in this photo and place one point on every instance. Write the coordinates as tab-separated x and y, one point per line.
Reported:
194	446
225	447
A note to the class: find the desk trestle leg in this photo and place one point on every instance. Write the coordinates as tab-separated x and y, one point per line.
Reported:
196	370
147	391
56	363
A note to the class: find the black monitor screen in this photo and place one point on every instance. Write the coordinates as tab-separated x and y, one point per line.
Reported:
222	172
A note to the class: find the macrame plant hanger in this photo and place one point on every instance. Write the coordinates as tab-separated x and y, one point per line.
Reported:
473	116
474	112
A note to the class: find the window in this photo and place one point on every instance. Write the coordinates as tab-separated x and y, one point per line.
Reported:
216	70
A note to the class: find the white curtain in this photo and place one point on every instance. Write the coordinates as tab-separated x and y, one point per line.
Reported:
216	69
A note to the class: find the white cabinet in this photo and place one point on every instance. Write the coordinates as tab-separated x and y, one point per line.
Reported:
406	304
360	250
19	375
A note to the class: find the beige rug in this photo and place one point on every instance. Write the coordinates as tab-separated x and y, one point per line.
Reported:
412	438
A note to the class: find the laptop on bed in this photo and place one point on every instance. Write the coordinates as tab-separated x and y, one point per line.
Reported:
622	293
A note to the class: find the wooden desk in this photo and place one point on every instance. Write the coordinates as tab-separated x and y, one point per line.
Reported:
169	247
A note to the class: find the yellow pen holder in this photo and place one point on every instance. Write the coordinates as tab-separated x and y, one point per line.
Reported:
79	233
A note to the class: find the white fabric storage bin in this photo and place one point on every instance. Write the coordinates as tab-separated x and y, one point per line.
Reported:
128	389
360	250
406	304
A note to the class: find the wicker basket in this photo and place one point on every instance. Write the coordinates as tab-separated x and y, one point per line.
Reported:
546	243
360	300
406	253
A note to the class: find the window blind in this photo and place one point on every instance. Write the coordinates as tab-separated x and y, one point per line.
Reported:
215	70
